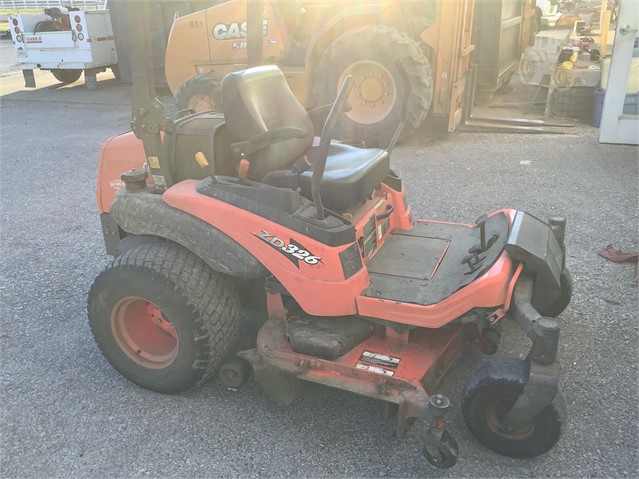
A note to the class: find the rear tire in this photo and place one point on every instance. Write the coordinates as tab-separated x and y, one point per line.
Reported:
490	393
66	76
163	318
369	54
200	93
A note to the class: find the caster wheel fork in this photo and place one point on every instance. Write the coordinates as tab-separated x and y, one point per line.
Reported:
440	448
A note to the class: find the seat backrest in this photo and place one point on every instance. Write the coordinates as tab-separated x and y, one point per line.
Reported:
259	100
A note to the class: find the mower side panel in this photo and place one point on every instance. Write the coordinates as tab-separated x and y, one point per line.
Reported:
145	214
119	154
276	247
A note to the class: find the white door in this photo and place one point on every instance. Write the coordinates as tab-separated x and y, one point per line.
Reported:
615	126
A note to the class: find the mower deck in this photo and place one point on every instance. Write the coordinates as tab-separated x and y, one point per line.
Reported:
401	369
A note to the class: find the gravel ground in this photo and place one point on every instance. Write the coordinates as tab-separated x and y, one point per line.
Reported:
66	413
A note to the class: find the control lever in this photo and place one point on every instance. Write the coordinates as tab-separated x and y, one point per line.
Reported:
201	159
481	222
483	244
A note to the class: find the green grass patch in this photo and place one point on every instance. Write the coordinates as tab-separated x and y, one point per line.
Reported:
8	11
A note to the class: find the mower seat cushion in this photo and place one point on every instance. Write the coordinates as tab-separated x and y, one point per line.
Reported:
350	176
258	100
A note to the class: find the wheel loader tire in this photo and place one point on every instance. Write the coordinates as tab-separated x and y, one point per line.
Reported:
66	76
200	93
163	318
370	54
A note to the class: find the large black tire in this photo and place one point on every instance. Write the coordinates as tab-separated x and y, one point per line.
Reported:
66	76
195	327
200	93
559	305
490	393
370	53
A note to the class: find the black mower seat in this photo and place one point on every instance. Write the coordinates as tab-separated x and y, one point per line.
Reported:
350	176
257	101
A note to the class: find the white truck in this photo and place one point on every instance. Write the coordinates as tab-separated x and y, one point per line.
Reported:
65	42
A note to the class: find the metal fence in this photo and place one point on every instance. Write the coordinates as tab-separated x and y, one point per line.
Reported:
38	4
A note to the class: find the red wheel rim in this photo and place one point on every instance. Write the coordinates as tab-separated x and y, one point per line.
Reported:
144	333
495	415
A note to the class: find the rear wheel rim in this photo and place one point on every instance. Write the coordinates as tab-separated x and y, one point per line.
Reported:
374	92
144	333
495	419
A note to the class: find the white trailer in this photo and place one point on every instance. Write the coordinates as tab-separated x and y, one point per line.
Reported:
81	42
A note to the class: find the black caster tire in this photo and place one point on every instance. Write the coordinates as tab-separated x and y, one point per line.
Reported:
235	372
163	318
560	304
490	393
444	455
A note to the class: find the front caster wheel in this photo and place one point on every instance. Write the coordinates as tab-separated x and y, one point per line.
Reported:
560	303
444	454
235	372
490	393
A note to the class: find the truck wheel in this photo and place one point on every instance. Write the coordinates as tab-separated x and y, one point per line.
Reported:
66	76
163	318
559	305
200	93
491	392
369	54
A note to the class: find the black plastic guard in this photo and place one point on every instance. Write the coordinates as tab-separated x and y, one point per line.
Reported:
533	242
145	214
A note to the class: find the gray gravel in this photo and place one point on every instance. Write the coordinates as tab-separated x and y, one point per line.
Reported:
66	412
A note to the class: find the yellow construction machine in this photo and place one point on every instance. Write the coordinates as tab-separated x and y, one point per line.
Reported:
319	43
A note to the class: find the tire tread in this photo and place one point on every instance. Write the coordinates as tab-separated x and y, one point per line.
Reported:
385	38
211	297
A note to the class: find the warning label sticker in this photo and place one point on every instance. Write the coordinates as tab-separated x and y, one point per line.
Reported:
374	369
380	359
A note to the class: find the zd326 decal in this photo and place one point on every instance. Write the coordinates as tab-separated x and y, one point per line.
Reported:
293	251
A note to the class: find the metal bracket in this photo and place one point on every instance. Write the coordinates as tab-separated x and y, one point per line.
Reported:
543	383
279	385
542	331
91	79
29	79
437	440
543	378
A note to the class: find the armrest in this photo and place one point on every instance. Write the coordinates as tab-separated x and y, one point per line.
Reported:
274	136
264	139
318	116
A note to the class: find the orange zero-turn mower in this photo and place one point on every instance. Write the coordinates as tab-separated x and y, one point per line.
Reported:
360	296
